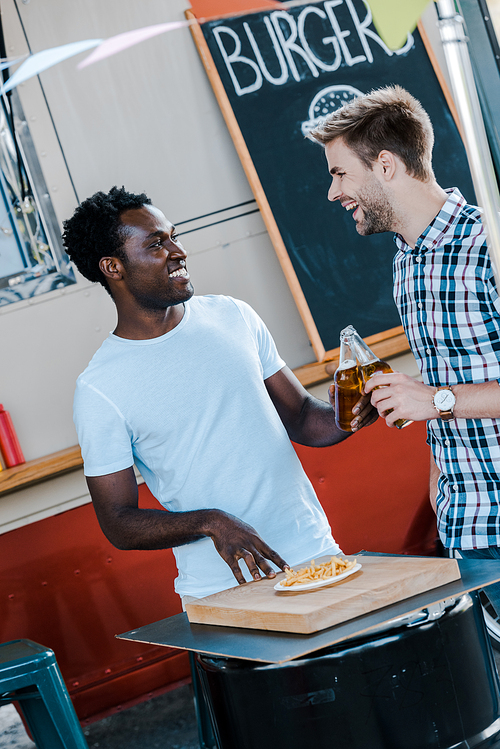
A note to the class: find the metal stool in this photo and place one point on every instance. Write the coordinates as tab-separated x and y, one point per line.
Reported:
29	674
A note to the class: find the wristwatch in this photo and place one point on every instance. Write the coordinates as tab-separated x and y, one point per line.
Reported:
444	402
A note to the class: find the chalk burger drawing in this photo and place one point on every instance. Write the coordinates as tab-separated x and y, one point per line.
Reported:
328	100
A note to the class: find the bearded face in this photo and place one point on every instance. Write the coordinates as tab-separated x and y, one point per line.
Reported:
358	190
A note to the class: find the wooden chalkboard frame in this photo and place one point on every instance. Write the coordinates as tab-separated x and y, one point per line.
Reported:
386	343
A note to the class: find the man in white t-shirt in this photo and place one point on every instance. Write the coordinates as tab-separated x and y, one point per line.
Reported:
193	391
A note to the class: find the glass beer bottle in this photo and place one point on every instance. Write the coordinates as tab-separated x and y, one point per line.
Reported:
347	382
369	364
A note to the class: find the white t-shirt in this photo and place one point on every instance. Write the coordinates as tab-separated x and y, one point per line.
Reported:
191	409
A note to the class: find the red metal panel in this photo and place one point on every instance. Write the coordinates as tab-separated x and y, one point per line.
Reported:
63	585
215	8
374	488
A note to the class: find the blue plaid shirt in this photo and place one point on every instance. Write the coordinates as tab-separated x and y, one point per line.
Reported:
450	310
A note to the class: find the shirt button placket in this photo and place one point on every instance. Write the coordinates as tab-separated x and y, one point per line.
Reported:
418	260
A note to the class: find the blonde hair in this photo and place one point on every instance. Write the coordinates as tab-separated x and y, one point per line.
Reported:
386	119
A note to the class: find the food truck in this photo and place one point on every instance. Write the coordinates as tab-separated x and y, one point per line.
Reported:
153	119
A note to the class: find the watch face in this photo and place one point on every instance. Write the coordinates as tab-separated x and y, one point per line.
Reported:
444	400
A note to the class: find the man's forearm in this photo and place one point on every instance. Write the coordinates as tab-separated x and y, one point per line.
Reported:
137	528
127	526
316	426
477	401
409	399
473	401
308	420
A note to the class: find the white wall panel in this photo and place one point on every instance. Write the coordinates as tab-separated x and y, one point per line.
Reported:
147	117
45	343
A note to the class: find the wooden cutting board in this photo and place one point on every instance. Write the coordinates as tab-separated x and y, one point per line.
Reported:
380	582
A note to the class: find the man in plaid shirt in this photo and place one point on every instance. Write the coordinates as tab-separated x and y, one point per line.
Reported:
379	153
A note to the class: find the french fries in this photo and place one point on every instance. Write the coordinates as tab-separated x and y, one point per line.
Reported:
315	572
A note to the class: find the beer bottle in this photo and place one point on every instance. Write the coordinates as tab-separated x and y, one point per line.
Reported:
347	382
369	364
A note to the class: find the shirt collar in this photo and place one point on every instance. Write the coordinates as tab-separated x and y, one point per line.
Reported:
440	227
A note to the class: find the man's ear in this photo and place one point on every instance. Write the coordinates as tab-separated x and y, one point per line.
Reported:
387	165
111	267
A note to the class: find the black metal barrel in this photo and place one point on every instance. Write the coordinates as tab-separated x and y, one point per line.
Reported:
419	686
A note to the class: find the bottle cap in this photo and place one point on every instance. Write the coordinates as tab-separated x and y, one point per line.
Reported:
347	332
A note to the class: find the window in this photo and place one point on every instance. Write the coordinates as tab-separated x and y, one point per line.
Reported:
32	258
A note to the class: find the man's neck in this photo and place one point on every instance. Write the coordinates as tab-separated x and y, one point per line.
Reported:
143	324
418	204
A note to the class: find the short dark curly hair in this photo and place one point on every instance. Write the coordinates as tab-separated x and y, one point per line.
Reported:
95	231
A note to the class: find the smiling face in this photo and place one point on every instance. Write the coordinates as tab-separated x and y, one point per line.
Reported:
358	190
155	270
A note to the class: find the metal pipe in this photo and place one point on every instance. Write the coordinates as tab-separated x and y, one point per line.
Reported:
451	28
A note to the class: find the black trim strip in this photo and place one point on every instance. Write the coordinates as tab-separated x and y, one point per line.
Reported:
214	223
221	210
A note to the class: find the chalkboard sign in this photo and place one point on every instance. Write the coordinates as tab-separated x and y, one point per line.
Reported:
274	74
